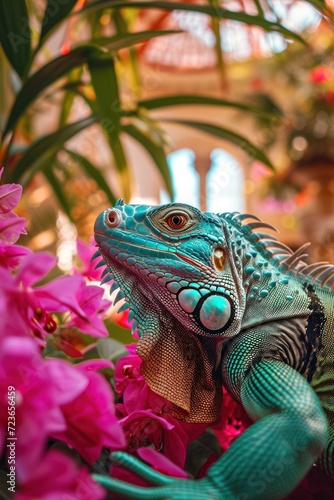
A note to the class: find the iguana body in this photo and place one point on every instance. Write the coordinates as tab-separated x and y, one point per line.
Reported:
218	302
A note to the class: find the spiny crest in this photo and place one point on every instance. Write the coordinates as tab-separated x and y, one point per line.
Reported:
107	276
119	203
321	272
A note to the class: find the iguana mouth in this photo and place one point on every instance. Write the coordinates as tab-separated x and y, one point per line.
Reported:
128	240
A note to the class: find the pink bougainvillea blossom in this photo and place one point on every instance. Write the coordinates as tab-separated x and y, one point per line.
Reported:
130	383
35	304
146	416
58	477
10	255
85	253
41	388
24	301
11	225
93	310
85	303
10	195
233	421
90	417
160	462
164	432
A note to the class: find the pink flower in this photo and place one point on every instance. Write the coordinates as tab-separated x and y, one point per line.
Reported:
161	463
41	387
10	255
233	421
146	416
34	304
90	417
11	225
130	383
85	254
158	462
24	302
58	477
164	432
93	310
85	303
10	195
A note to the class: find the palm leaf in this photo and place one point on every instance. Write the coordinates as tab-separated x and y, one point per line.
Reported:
57	189
183	99
15	35
54	13
253	20
104	81
43	151
227	135
61	65
125	40
93	173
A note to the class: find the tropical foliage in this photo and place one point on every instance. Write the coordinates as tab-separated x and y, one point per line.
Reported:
91	66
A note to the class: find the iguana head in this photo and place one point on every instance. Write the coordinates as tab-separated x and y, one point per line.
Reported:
182	256
182	279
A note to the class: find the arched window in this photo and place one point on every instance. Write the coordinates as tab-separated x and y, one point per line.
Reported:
185	179
224	184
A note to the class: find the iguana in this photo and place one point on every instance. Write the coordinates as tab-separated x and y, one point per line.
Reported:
219	302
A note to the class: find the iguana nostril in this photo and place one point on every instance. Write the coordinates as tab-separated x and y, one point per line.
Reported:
113	217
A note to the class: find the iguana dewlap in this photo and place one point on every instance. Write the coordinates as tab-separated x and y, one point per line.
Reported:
218	302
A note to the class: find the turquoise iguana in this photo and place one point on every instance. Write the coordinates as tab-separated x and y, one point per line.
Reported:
218	302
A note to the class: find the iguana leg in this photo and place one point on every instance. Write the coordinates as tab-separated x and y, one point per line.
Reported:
269	459
289	434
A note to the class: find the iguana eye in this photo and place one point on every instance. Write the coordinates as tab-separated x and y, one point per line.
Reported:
176	220
112	217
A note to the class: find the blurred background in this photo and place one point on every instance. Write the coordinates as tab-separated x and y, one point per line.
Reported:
227	106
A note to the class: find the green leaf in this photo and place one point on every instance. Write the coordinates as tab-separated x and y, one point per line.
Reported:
57	188
215	22
53	14
44	77
200	450
111	349
125	40
252	20
227	135
61	65
177	99
69	96
15	34
43	151
104	81
94	173
157	154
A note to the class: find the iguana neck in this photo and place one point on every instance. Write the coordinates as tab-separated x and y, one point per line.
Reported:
271	293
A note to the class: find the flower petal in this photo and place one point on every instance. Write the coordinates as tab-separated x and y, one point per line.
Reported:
10	195
11	226
34	267
160	462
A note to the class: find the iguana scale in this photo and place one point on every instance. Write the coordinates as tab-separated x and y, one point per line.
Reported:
219	302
